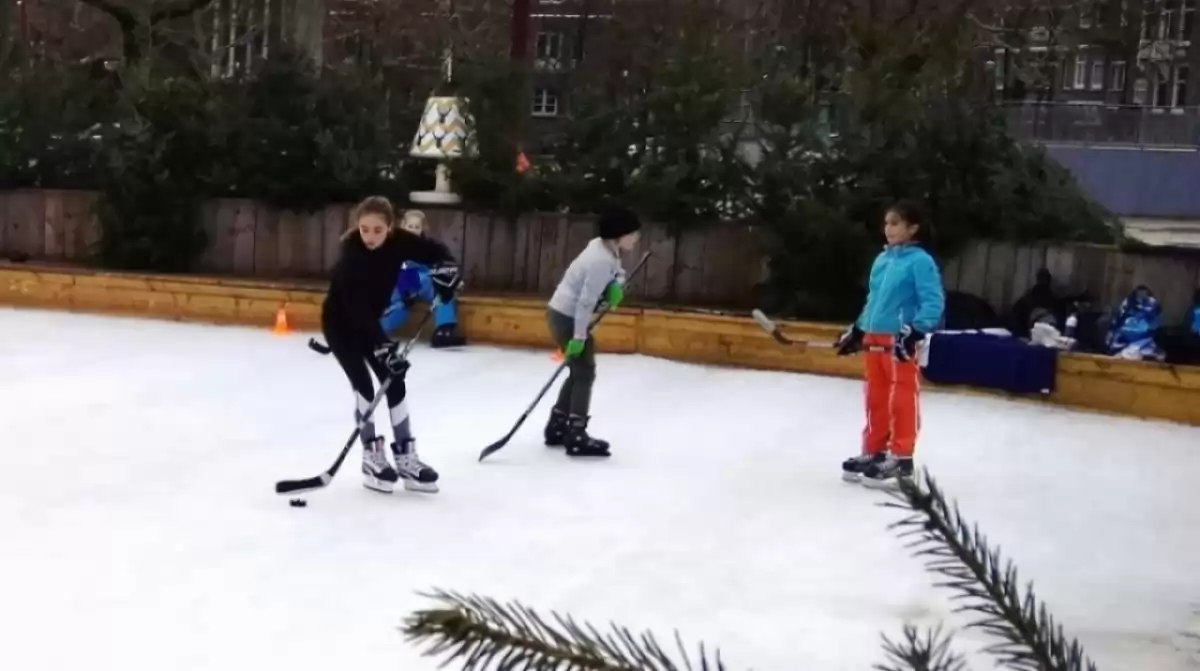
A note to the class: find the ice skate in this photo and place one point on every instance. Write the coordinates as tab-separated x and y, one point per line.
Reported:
886	473
417	476
852	468
447	336
556	429
579	443
378	474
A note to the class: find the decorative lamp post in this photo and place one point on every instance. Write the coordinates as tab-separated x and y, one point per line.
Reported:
444	133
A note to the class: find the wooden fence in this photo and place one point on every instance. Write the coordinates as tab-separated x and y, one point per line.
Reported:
1001	272
717	266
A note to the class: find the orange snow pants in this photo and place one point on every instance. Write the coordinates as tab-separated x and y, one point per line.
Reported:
892	390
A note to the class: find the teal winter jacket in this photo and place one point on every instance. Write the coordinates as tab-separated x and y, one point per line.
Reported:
905	290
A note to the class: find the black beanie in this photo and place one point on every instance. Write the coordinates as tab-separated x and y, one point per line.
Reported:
615	222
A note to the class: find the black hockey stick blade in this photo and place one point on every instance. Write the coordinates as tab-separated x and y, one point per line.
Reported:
323	480
491	449
318	347
524	416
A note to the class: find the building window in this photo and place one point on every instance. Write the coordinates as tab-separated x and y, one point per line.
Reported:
1140	88
1181	77
1080	71
1162	91
1118	76
1189	23
545	102
1165	25
549	46
1097	75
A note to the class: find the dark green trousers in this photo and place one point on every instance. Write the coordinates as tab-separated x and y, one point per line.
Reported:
575	396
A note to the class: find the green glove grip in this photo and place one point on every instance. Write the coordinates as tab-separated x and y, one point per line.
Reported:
574	348
614	294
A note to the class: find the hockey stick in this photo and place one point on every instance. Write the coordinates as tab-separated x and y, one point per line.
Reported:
773	328
318	347
322	480
557	371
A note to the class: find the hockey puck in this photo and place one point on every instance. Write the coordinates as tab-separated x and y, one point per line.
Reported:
297	503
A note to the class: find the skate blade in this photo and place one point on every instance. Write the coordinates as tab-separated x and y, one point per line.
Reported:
890	484
420	487
852	477
376	485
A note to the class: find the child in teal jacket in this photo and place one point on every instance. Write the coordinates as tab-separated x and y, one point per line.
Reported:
905	302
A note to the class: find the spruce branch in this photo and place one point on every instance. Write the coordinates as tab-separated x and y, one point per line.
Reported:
914	653
986	583
486	634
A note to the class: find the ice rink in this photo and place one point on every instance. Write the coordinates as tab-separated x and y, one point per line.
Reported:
139	528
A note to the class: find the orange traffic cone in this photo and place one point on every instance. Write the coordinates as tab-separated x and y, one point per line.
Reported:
281	325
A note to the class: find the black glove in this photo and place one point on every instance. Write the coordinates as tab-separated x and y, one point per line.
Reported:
445	279
850	342
906	343
393	359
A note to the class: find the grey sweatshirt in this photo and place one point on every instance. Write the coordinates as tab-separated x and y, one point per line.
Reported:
584	282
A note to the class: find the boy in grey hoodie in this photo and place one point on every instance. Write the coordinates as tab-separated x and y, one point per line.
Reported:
594	275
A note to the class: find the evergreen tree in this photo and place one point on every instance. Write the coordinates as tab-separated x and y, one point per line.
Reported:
481	633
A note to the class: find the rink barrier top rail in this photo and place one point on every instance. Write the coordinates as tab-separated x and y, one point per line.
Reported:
1131	388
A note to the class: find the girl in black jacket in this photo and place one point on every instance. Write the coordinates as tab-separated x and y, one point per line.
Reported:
373	250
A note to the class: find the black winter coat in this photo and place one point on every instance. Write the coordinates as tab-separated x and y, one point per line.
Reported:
363	280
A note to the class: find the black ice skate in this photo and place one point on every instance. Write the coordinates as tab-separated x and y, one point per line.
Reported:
378	474
579	443
447	335
556	429
852	468
884	474
417	476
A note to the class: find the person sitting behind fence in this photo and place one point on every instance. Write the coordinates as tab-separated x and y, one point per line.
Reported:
1034	305
415	284
1134	323
1194	331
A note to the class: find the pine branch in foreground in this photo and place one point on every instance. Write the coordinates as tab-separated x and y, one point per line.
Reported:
987	584
483	634
931	653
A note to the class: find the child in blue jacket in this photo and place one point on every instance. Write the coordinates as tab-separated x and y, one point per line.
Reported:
414	283
905	302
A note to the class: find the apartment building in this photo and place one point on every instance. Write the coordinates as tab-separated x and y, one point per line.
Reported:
1122	72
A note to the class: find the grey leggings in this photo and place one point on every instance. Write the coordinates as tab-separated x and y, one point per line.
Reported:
575	396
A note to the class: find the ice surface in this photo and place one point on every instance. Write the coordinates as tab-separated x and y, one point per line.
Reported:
139	528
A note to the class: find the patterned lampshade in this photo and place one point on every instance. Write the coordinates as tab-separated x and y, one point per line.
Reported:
443	132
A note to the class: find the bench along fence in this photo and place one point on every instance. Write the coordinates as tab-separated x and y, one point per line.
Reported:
717	266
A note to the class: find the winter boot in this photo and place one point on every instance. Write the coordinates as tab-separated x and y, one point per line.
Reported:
886	473
417	476
579	443
852	468
556	429
447	335
378	474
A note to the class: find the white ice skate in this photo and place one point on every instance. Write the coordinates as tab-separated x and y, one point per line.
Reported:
417	476
378	474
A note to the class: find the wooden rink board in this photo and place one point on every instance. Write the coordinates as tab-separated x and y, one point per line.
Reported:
1130	388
